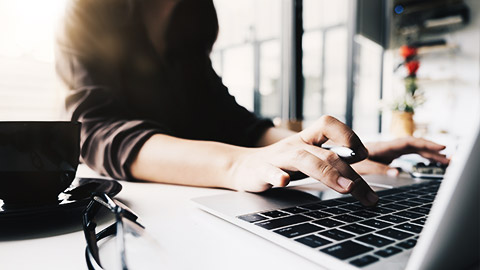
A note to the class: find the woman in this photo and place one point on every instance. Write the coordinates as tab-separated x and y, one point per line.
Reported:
152	107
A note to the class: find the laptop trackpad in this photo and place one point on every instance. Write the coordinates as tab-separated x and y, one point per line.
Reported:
240	203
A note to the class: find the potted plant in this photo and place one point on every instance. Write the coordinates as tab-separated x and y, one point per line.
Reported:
404	106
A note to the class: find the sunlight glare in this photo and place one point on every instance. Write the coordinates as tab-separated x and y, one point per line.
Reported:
27	27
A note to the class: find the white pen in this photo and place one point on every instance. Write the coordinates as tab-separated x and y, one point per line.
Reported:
341	151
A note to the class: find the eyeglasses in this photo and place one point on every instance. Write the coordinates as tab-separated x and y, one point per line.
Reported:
122	245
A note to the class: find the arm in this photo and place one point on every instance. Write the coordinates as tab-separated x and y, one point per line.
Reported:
113	130
172	160
168	159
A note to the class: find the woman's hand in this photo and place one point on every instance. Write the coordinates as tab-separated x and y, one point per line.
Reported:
258	169
383	153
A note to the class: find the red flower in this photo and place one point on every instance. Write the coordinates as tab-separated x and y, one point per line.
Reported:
407	51
412	67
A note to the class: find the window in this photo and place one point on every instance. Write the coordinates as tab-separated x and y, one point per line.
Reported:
247	53
249	50
324	58
28	84
366	107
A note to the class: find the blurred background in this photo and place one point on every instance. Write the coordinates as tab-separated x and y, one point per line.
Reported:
29	89
295	60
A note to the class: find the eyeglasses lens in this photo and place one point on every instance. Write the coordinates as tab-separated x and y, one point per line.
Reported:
141	250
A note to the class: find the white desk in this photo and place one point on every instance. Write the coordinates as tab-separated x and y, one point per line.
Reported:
192	238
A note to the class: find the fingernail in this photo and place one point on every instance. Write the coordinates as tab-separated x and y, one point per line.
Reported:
392	172
281	174
344	183
372	197
281	179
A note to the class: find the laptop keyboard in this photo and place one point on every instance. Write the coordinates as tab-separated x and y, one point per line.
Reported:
343	228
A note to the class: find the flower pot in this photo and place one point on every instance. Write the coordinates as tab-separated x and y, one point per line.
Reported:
402	124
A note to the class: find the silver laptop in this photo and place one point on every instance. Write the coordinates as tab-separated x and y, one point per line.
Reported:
428	224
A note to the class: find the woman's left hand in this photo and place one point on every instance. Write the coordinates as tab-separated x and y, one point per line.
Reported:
383	153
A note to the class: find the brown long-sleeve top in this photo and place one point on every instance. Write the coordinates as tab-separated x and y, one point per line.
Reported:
124	87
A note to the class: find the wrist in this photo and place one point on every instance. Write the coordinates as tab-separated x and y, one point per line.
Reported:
237	161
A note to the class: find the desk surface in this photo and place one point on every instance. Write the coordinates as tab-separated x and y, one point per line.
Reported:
192	238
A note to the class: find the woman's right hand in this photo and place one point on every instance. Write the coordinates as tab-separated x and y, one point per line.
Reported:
258	169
